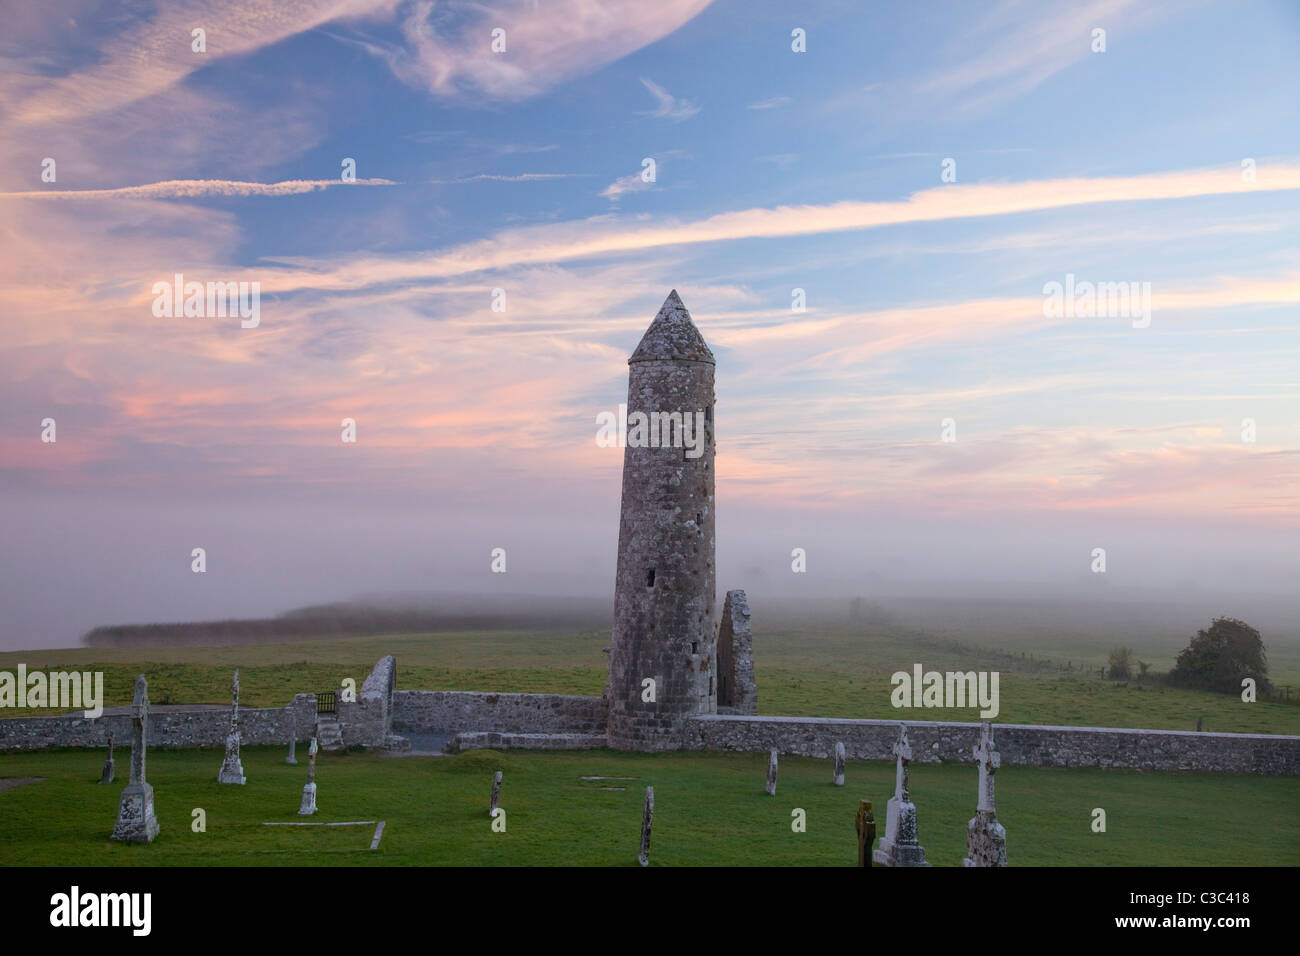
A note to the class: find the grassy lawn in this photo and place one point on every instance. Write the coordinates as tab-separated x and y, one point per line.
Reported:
823	672
710	809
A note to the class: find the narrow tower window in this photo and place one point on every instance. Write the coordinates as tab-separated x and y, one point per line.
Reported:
650	578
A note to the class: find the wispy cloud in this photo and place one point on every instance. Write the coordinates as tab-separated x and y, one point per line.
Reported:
154	53
845	340
669	106
563	347
631	183
1015	53
545	44
197	189
521	178
770	104
587	238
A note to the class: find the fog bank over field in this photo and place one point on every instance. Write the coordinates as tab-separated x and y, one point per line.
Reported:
78	563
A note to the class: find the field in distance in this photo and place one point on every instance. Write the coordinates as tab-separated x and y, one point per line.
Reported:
803	669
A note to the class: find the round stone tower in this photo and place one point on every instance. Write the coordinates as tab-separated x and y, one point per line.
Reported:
662	659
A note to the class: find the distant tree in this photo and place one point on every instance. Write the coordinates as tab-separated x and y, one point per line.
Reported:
1119	667
1219	656
870	613
1143	667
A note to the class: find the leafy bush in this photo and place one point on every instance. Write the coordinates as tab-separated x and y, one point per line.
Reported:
1119	667
1219	656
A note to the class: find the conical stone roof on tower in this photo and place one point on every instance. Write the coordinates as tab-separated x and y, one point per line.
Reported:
662	657
672	336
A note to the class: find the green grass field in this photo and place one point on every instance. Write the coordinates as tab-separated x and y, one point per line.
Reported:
823	672
710	810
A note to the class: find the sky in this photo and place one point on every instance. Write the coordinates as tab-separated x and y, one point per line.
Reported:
457	243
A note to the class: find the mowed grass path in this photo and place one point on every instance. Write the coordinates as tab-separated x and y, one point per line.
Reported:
818	672
710	809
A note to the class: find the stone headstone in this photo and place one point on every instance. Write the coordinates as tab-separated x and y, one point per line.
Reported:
110	771
866	827
901	846
771	774
496	794
136	821
309	791
293	738
647	819
838	774
986	839
232	769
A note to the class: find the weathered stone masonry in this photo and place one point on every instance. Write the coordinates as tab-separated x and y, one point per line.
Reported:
561	721
737	689
453	712
368	720
665	583
371	722
1039	746
168	727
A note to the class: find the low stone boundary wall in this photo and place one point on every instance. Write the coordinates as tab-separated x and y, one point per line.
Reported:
1026	744
562	721
454	711
494	741
168	727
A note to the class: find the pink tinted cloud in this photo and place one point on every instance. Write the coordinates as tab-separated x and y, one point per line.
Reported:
195	189
606	236
433	376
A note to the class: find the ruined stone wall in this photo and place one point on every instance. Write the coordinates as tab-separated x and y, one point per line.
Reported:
451	711
168	727
368	720
737	689
1041	746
